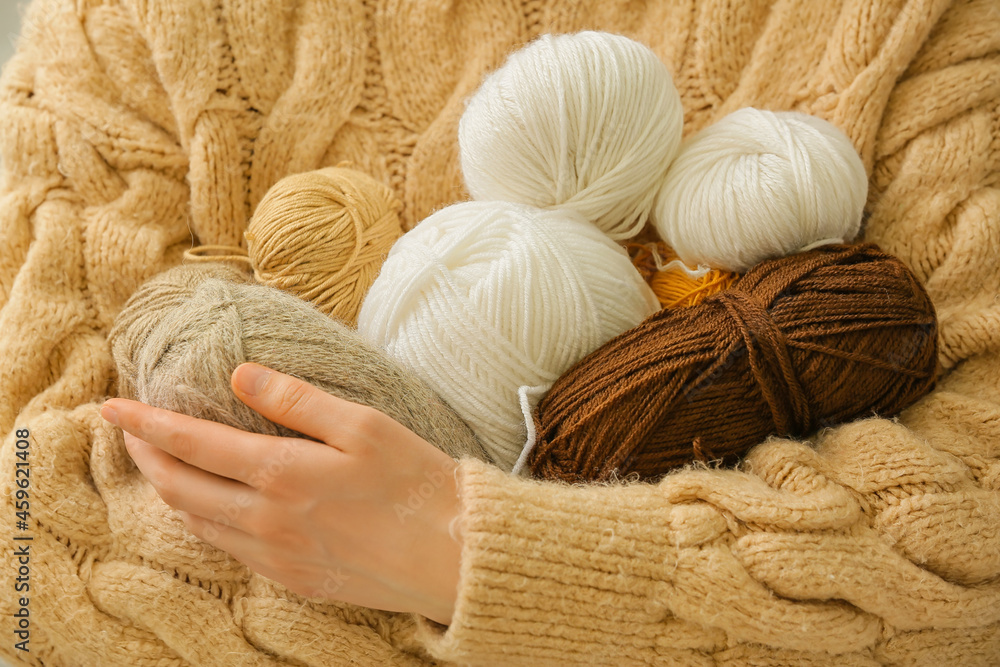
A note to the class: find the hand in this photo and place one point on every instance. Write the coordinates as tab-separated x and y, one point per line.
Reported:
367	516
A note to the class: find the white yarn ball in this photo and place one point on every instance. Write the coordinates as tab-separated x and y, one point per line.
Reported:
760	184
490	302
587	120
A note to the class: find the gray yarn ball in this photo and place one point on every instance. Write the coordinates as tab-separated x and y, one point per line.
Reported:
181	335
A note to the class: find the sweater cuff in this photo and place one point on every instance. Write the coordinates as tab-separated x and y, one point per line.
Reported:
553	574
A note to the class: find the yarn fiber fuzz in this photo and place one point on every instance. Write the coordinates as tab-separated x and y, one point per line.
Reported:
760	184
183	333
800	342
588	121
490	302
322	236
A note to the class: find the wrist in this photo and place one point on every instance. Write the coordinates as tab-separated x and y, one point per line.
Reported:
432	561
440	605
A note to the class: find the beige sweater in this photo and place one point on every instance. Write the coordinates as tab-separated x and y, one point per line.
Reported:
130	129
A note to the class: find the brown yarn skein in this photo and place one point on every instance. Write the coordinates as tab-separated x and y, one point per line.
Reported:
183	333
322	236
798	343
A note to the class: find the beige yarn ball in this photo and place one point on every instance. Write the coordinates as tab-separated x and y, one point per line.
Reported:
322	236
183	333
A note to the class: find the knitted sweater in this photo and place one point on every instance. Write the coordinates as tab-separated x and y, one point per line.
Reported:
130	129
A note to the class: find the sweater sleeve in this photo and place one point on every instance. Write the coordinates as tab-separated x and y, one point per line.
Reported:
875	543
629	574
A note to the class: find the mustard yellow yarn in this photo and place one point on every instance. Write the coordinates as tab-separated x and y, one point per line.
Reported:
322	235
673	287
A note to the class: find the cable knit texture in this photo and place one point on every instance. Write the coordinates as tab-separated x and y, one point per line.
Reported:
130	128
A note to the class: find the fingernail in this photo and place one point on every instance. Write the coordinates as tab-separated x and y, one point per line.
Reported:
110	414
252	378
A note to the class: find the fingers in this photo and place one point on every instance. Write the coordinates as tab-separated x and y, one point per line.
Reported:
272	560
250	458
296	404
190	489
224	535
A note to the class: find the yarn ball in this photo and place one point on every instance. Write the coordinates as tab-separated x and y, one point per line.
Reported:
798	343
673	283
183	333
489	302
322	236
760	184
588	120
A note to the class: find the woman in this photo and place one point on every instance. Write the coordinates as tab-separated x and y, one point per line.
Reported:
128	127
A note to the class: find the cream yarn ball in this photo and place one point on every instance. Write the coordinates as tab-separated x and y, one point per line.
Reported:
588	120
760	184
490	302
